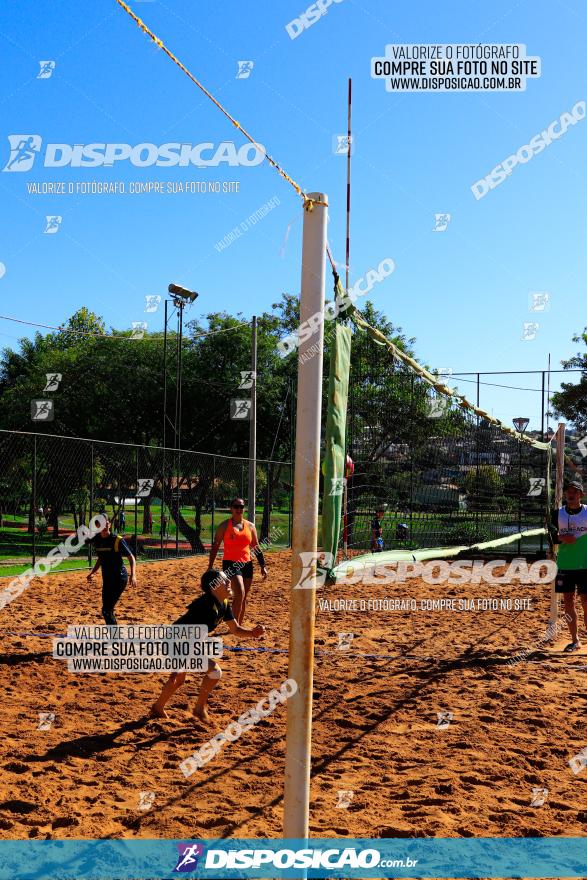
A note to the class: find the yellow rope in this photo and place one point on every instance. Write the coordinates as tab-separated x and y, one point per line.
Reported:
425	374
309	205
308	202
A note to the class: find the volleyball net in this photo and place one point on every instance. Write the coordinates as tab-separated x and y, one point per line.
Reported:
432	471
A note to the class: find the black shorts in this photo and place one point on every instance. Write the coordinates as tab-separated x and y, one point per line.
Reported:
245	569
566	581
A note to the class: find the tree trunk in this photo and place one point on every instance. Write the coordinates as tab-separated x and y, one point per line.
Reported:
199	499
272	479
186	530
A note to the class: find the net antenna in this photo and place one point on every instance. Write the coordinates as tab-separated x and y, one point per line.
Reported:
348	474
348	187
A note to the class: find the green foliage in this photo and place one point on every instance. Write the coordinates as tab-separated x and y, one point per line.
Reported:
571	400
112	389
482	486
466	534
112	386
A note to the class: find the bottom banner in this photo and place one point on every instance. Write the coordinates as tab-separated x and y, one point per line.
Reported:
314	858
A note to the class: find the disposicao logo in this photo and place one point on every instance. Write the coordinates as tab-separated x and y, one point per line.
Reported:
188	856
23	151
25	147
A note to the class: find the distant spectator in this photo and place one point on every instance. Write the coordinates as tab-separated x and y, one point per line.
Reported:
377	531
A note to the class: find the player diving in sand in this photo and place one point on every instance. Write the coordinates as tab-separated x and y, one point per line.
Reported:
210	609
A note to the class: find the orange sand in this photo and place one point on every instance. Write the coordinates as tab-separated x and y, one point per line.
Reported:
514	728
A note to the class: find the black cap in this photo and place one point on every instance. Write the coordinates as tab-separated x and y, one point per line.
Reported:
575	484
211	578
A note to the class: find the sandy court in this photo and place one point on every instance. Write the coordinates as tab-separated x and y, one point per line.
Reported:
514	726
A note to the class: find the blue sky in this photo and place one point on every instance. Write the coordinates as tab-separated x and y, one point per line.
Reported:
463	293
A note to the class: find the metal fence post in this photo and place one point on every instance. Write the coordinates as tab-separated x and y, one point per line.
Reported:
292	410
136	500
177	501
162	503
477	472
91	500
213	498
252	487
412	462
520	496
289	500
34	517
543	454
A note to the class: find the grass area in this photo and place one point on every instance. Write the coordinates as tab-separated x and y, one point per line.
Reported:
430	529
208	520
76	562
16	544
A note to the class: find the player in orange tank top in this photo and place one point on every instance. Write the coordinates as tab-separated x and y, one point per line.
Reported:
239	537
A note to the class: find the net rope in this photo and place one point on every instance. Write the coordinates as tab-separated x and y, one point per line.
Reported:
309	203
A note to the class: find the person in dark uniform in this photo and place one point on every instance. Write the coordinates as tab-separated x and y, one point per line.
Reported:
377	531
211	609
110	550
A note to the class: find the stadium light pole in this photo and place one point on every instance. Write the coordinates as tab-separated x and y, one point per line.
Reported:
180	297
305	522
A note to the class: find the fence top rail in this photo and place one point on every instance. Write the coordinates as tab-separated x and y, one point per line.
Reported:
241	458
516	372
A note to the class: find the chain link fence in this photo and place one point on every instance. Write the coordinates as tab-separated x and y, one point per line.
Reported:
442	475
166	502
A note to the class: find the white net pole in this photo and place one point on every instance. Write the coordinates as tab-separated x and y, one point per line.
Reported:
305	522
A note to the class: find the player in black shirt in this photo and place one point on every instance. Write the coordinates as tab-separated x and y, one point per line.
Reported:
110	550
377	531
211	609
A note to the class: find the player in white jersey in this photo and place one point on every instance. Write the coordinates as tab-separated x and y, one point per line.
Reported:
569	529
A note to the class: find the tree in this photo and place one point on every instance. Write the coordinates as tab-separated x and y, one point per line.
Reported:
112	390
571	400
381	397
483	486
